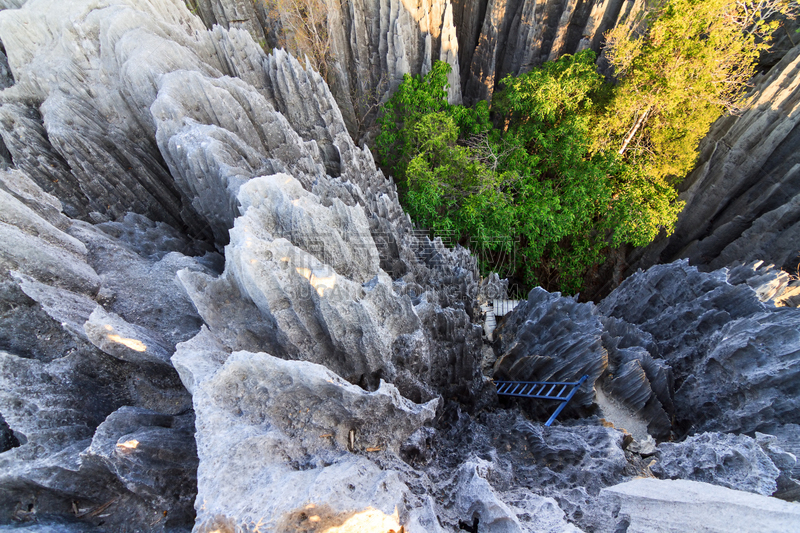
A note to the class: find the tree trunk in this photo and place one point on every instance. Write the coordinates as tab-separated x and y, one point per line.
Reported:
635	129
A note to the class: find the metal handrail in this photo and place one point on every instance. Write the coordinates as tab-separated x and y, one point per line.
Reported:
504	388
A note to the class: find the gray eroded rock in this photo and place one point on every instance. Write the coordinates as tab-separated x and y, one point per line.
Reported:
211	153
522	465
372	44
137	146
771	284
718	339
31	245
27	330
69	309
125	341
636	377
276	260
782	449
654	505
787	438
550	338
11	4
476	500
307	269
47	206
94	129
714	397
301	424
154	457
54	408
56	387
518	35
138	271
733	461
672	341
29	149
7	438
52	526
229	14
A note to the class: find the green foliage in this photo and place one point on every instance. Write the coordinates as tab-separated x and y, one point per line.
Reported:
449	190
563	193
678	76
579	165
575	201
533	193
414	98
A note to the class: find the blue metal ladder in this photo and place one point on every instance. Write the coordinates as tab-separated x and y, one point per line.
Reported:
543	390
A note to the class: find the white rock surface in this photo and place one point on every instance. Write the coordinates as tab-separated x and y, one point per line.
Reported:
656	506
276	437
126	341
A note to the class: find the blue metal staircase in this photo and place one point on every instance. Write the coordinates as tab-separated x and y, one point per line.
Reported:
561	391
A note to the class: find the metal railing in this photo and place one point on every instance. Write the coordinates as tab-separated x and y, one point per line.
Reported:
561	391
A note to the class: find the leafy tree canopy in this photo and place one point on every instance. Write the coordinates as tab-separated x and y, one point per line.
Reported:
680	68
567	166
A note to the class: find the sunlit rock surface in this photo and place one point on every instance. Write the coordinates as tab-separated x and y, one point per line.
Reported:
214	313
278	437
371	44
680	505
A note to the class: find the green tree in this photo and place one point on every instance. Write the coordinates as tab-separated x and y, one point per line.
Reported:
563	192
535	184
451	191
415	97
575	201
679	71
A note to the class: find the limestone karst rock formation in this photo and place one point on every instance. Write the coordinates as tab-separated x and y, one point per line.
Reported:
214	314
373	43
733	461
687	351
131	107
718	339
515	36
741	198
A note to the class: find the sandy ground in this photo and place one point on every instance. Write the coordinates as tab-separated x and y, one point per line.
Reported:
621	416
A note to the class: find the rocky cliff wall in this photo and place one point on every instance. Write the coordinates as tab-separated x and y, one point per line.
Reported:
516	36
374	42
736	211
371	45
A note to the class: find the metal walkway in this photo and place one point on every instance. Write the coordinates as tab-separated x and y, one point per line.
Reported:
494	310
561	391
